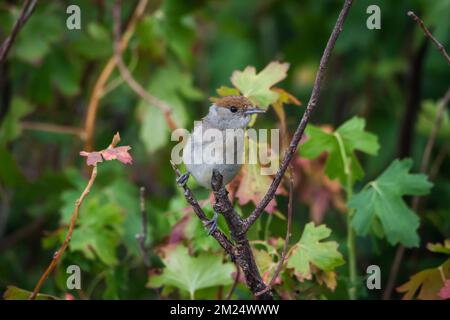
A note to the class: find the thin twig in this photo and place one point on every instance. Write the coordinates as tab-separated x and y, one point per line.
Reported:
424	164
99	86
25	14
58	254
235	283
142	237
305	119
436	165
286	238
428	34
128	77
54	128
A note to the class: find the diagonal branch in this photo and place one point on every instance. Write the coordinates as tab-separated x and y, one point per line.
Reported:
428	34
128	77
305	119
25	14
217	234
243	251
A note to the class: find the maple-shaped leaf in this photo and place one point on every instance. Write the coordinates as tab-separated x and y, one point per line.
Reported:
427	283
191	274
341	145
380	201
444	293
311	250
257	86
254	183
110	153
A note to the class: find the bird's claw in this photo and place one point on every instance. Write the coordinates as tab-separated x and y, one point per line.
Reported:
211	225
183	179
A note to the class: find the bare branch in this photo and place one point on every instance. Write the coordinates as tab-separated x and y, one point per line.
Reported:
235	283
25	14
91	114
428	34
305	119
142	237
243	251
54	128
58	254
128	77
217	234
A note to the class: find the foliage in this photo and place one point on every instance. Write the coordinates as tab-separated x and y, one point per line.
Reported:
380	204
183	52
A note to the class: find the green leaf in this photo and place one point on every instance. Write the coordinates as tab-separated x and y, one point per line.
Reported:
257	87
341	145
310	250
192	273
10	126
382	199
15	293
98	231
154	131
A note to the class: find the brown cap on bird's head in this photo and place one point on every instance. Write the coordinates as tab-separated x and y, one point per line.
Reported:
236	103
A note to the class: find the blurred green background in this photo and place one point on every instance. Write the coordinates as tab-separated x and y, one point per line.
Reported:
182	51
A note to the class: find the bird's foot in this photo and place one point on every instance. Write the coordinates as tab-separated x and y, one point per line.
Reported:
183	179
211	225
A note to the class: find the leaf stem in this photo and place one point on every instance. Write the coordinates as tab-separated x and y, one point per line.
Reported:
350	233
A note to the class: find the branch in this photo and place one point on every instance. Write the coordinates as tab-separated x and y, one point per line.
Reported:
416	200
428	34
242	250
96	95
128	77
286	239
425	159
142	237
54	128
305	119
58	254
25	14
235	283
217	234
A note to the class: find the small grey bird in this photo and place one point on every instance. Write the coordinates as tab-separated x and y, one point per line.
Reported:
230	113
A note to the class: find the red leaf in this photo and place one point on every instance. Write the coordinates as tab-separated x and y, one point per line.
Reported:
119	153
92	157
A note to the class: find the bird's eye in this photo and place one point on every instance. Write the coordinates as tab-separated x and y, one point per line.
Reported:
233	109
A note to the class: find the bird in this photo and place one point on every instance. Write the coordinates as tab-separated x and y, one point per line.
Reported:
229	114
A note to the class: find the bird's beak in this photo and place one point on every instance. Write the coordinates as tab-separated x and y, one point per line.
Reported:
254	110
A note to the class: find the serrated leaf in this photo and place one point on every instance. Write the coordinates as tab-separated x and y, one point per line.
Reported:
257	87
192	273
98	231
312	250
341	146
254	183
427	283
382	199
